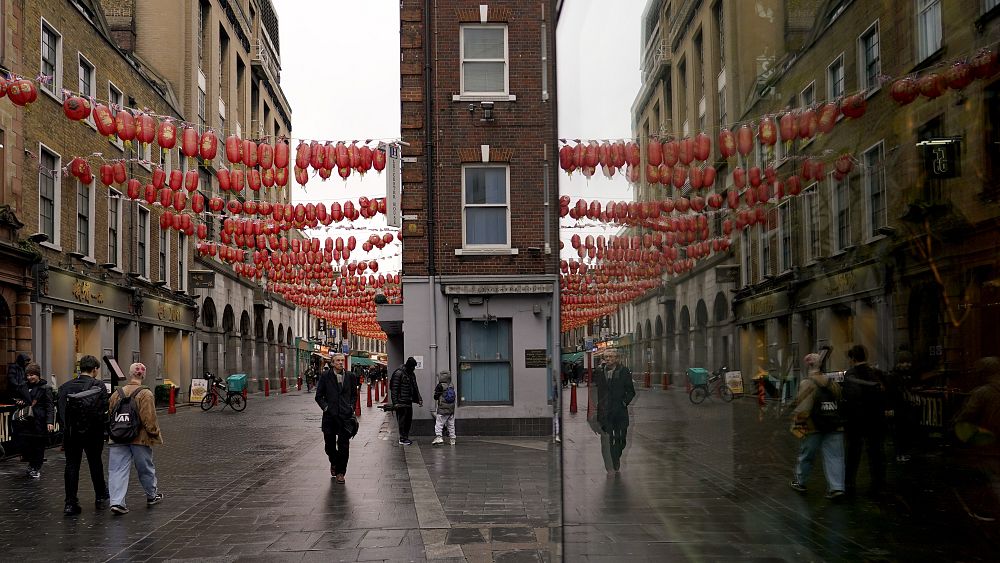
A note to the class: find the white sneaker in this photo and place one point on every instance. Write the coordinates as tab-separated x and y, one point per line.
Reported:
453	441
438	440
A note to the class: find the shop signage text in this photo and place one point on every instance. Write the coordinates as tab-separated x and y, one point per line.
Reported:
498	289
84	292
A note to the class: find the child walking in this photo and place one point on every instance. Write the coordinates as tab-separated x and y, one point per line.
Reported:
444	394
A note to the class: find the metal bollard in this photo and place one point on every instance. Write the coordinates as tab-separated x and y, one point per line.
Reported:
369	394
665	381
647	380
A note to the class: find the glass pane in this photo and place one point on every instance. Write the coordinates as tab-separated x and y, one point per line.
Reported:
485	185
483	77
484	43
486	225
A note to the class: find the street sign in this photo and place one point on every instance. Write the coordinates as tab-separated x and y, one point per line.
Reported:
941	157
201	279
393	184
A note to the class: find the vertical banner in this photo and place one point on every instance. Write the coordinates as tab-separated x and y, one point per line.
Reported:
393	184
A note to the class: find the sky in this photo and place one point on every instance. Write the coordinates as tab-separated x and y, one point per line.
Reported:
340	72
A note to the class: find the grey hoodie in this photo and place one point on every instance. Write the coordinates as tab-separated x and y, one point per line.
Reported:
444	382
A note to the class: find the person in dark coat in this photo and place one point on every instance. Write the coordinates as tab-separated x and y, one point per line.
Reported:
615	392
864	396
35	431
90	440
404	392
336	392
903	416
17	386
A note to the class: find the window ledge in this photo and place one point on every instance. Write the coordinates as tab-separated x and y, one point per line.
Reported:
874	238
485	251
50	245
51	94
89	260
484	98
872	92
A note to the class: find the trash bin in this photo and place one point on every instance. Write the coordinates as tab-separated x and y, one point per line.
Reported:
237	382
161	394
697	376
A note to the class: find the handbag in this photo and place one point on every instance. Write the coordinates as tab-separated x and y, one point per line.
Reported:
351	426
24	414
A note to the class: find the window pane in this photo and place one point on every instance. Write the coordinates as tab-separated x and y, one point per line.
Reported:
485	185
484	43
873	165
482	382
486	225
47	192
83	219
483	77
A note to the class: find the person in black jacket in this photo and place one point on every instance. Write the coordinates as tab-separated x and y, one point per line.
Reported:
35	431
614	393
90	440
404	392
336	392
17	386
865	424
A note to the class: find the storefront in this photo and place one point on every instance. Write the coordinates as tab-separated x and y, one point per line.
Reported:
80	315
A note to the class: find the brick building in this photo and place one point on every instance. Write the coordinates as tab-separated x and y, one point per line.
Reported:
480	222
845	262
221	60
15	260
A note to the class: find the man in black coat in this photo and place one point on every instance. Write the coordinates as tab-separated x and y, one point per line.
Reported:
89	440
336	393
865	424
614	393
404	392
17	385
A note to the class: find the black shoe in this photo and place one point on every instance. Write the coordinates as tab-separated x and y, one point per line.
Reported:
150	501
72	509
834	495
798	486
102	504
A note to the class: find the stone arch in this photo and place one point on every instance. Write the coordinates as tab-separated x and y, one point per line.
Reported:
245	324
720	308
659	326
228	319
657	345
638	332
208	314
281	333
701	334
288	339
258	325
269	335
684	339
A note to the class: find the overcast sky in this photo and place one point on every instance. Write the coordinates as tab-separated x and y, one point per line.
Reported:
340	72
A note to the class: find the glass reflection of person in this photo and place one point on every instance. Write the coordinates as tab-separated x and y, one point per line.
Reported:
614	393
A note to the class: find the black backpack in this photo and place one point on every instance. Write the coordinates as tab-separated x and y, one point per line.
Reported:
125	423
86	410
825	410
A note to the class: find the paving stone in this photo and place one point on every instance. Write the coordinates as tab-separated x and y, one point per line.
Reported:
512	535
459	536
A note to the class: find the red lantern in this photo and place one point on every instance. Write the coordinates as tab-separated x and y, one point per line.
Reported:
788	127
166	221
180	201
236	180
253	179
166	197
767	132
702	147
744	140
197	202
739	178
281	177
685	153
708	177
118	169
249	153
145	128
301	176
378	160
76	108
216	204
191	180
104	121
671	153
225	182
281	154
132	189
166	134
854	106
984	64
150	193
125	125
22	92
202	231
958	75
265	155
189	142
654	153
209	145
107	175
234	206
827	117
807	124
794	185
234	149
176	181
727	143
267	177
159	177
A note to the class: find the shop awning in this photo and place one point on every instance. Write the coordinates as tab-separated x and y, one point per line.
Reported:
359	361
573	357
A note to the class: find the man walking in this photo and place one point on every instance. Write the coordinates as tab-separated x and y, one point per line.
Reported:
83	408
864	398
614	393
139	451
404	392
336	393
816	418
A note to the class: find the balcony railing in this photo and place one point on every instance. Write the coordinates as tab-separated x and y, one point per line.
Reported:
262	58
657	60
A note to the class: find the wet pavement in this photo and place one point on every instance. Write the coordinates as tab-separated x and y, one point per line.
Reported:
710	482
255	486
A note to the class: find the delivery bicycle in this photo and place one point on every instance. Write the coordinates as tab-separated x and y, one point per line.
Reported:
710	385
219	392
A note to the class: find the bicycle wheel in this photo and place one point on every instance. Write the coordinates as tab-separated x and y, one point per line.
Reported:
698	394
207	403
727	393
237	402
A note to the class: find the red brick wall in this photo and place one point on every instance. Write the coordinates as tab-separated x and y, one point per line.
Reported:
523	129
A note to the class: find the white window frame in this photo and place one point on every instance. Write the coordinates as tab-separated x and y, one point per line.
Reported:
784	208
80	60
813	222
870	233
723	114
835	213
486	248
55	243
57	83
830	80
506	61
925	50
803	103
143	237
745	250
989	5
763	242
91	219
146	158
115	201
182	248
112	105
870	89
163	249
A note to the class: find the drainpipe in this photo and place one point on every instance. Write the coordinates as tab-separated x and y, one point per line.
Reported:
429	178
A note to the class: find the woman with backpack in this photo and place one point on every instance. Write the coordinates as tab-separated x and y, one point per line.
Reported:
817	421
444	394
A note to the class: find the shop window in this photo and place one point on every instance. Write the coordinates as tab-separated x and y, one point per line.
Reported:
484	359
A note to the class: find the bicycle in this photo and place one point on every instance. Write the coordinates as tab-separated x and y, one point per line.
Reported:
716	383
233	399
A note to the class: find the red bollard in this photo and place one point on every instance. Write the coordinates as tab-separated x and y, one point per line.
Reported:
244	393
647	380
173	401
369	395
665	382
385	391
572	400
267	387
760	392
298	383
357	405
284	386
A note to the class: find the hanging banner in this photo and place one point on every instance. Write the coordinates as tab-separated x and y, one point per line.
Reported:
393	184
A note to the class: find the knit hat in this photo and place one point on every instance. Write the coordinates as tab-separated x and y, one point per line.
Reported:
410	363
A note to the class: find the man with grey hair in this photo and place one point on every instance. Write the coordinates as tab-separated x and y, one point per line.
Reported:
138	451
336	393
615	391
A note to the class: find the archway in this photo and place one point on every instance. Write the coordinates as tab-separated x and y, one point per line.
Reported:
231	348
209	340
246	342
658	346
670	339
701	335
684	340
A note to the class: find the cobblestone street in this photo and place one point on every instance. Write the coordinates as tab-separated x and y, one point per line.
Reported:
255	486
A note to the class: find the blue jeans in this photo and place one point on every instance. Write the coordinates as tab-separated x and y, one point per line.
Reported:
120	459
832	446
